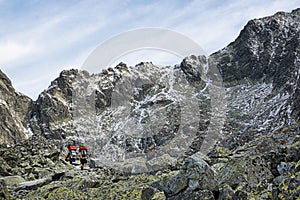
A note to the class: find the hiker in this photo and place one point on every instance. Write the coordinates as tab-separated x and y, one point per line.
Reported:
83	155
71	154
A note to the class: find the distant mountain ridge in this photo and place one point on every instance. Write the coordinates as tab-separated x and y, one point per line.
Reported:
267	50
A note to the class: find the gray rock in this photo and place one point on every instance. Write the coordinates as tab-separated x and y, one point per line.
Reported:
200	174
134	168
4	191
12	181
29	185
284	168
226	192
193	67
195	175
95	163
239	194
148	193
188	195
4	168
161	163
244	170
175	184
127	166
58	175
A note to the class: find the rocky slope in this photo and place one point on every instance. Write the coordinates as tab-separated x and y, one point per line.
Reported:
182	132
14	112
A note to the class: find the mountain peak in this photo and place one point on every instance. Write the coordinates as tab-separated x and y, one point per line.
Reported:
265	49
5	82
296	11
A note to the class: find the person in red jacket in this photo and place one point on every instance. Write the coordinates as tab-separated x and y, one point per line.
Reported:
71	154
83	155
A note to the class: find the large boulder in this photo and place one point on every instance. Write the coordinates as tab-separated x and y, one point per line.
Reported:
12	181
199	174
161	163
194	175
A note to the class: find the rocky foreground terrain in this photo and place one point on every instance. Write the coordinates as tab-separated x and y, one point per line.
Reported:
226	126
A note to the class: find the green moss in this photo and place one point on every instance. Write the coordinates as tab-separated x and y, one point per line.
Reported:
159	196
66	193
281	196
129	188
240	187
62	121
293	191
285	187
217	168
4	193
223	151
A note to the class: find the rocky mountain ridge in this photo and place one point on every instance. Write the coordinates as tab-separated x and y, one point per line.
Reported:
14	112
262	69
177	132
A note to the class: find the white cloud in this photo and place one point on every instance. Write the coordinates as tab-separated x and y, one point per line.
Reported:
14	50
32	86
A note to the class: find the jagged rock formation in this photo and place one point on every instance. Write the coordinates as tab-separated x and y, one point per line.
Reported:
267	49
14	109
262	69
53	106
126	111
172	132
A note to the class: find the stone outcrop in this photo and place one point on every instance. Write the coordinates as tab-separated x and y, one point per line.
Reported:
14	113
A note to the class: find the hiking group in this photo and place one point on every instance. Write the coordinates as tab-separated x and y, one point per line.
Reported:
73	153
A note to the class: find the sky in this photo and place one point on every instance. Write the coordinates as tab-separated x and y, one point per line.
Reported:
39	39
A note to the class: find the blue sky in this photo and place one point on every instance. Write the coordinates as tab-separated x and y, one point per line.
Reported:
38	39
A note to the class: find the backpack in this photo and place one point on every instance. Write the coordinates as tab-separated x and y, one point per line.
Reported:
83	149
72	147
83	152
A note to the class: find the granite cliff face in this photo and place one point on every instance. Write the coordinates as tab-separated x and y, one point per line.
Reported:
53	106
267	49
261	70
125	111
177	132
14	112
